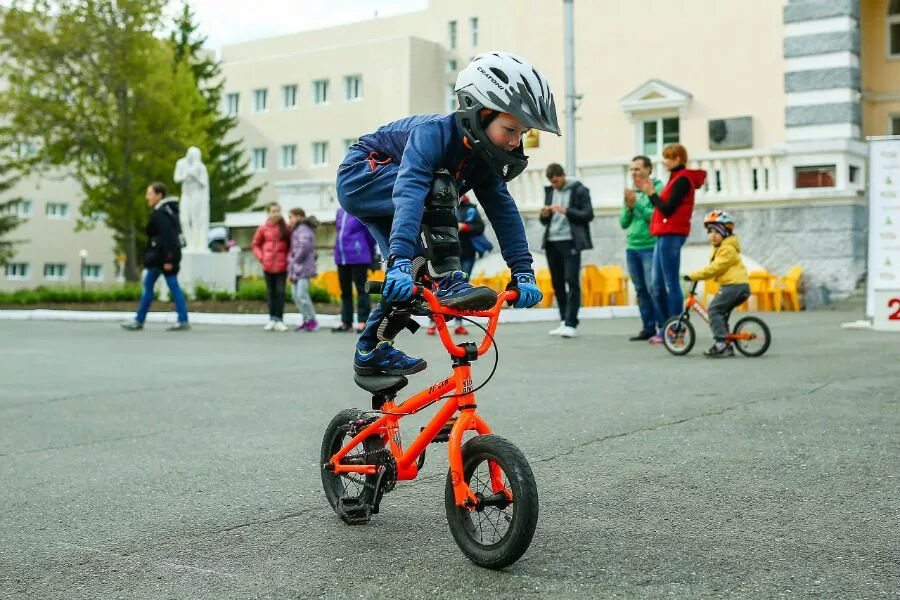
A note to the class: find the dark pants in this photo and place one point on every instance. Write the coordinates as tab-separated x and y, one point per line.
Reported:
564	262
275	294
350	276
727	299
666	280
150	278
640	268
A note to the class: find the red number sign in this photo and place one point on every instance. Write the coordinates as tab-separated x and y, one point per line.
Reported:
892	303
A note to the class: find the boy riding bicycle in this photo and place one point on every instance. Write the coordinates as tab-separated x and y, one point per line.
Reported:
728	270
404	181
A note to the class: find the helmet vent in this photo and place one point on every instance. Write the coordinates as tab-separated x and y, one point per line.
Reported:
500	74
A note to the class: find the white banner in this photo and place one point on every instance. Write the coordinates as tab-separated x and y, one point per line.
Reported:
884	220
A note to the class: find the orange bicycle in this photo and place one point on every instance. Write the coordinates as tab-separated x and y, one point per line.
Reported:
750	335
490	496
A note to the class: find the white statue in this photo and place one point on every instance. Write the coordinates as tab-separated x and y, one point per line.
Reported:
194	206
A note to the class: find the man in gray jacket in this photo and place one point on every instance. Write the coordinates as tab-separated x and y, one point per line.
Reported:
566	215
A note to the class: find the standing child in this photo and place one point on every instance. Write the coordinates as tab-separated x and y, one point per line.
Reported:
302	264
728	270
403	182
354	253
271	244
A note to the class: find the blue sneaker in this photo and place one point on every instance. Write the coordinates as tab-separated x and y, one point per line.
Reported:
384	359
454	291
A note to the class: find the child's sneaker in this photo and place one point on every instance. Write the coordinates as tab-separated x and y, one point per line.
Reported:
454	291
461	330
384	359
720	350
311	325
656	339
280	327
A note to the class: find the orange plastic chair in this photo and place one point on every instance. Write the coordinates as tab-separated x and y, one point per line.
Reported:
774	295
759	287
329	281
545	284
592	286
710	288
615	285
790	288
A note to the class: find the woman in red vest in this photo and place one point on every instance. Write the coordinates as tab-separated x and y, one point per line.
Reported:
671	224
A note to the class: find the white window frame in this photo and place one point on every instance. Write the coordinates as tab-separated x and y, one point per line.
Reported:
88	270
318	156
660	143
233	111
320	91
59	212
892	19
287	151
24	276
452	101
64	276
347	142
353	83
452	32
473	29
451	65
21	209
258	160
289	95
261	94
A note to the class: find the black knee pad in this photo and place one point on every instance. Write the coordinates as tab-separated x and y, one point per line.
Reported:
440	229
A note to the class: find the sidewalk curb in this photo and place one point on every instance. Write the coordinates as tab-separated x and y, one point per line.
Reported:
534	315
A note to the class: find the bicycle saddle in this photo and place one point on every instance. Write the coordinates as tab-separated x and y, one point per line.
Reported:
381	384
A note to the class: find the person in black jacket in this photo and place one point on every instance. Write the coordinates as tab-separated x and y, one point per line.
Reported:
566	215
162	257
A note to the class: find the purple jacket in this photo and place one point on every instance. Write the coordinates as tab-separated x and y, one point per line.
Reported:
302	259
354	244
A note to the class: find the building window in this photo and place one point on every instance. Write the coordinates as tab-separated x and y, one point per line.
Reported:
288	157
260	100
55	272
289	96
57	210
657	133
92	272
20	209
349	142
893	23
473	26
452	102
17	271
232	104
451	66
319	154
353	87
258	159
814	176
451	35
320	91
895	125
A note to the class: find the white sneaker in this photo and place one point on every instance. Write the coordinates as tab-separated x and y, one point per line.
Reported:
280	327
558	330
568	332
270	325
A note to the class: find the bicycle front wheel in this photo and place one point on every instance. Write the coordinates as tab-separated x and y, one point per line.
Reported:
759	337
678	336
498	532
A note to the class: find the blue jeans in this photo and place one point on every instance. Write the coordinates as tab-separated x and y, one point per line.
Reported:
665	283
640	269
150	277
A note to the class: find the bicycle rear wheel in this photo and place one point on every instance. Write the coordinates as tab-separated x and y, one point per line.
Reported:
760	338
348	486
678	335
497	533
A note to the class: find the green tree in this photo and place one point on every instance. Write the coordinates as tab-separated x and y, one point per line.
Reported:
8	221
226	162
92	83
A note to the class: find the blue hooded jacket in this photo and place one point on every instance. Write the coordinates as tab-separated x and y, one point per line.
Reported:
422	144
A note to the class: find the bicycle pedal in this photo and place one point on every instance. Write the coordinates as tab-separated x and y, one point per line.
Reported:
443	435
352	511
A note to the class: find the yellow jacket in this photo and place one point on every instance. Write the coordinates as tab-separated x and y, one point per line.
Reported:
725	266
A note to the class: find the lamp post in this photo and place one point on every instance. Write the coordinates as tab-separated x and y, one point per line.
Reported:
83	254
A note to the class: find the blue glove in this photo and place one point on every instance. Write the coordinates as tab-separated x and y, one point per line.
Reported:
398	284
529	294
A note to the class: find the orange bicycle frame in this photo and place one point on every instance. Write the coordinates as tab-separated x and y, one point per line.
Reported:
462	400
697	306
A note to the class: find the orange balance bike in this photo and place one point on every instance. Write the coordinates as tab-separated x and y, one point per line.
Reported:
750	335
490	496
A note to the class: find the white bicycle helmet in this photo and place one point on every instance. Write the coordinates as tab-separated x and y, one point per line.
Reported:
503	83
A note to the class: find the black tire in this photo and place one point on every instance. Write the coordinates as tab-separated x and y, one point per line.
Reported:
511	527
348	485
760	343
678	335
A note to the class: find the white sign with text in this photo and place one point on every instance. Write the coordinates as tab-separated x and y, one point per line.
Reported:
884	232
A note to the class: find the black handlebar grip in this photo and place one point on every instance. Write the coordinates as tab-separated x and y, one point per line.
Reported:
374	287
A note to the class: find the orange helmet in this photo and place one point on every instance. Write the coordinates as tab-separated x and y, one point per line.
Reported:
721	218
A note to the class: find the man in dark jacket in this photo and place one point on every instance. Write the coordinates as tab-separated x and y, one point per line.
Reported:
566	215
162	257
